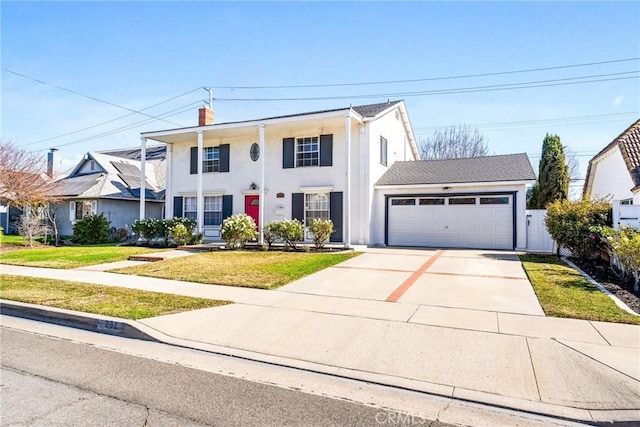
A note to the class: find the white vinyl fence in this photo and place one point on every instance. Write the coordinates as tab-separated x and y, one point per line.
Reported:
626	215
538	238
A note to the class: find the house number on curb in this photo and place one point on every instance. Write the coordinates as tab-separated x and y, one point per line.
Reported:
254	152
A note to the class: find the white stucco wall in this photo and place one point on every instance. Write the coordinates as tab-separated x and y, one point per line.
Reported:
378	214
611	177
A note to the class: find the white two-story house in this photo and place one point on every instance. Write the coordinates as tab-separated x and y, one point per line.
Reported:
321	164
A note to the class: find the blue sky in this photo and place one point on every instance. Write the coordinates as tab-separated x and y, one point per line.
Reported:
136	54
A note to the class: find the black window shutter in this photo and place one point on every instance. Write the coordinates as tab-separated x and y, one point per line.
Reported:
335	215
194	160
224	158
297	206
326	150
177	206
288	153
227	206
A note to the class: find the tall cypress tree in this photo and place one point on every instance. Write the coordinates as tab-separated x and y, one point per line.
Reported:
553	174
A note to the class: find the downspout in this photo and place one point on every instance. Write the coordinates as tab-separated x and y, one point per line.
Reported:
261	201
199	197
143	176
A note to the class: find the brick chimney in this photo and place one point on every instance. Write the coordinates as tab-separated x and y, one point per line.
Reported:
52	162
205	116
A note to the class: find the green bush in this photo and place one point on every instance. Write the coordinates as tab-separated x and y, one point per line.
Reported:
321	230
570	224
182	231
289	231
624	251
91	230
150	228
237	229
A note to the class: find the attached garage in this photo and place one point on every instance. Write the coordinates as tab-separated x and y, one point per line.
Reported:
461	221
458	203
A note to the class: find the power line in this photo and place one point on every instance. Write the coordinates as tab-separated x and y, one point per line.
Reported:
112	120
87	96
170	113
465	76
472	89
594	116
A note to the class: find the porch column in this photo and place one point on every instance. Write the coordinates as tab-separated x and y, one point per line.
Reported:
168	195
143	176
261	201
199	197
347	199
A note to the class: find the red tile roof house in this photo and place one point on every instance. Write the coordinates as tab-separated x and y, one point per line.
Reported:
358	166
615	171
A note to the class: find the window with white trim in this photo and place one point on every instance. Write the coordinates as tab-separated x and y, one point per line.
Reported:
383	150
211	159
307	151
213	210
81	208
190	210
316	206
626	202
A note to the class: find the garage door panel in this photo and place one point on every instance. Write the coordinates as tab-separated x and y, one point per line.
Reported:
466	226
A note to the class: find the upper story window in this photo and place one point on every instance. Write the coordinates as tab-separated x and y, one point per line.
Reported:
307	151
211	159
383	150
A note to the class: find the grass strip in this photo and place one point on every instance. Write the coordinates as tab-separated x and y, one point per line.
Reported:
66	257
106	300
564	292
263	270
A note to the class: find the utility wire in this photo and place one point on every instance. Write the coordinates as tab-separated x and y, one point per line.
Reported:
112	120
464	76
87	96
170	113
471	89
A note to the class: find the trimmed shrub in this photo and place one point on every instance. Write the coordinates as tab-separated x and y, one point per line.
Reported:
91	230
624	252
150	228
570	224
237	229
321	230
183	231
290	231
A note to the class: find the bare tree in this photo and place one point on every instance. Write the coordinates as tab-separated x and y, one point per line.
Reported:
33	224
454	142
571	157
23	181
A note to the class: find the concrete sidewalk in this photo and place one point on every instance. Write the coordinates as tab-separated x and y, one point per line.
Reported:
568	368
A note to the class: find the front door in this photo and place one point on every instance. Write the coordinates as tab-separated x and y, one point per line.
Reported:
252	207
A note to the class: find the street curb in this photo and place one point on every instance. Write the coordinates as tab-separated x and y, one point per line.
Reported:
135	330
100	324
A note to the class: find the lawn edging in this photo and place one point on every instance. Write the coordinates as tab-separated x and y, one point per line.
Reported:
59	316
604	290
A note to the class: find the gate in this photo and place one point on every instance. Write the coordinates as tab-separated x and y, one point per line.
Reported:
538	238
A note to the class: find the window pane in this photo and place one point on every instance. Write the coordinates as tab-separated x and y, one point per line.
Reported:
494	200
307	151
432	202
403	202
462	201
316	206
383	151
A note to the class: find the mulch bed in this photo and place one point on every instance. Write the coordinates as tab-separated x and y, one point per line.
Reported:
601	273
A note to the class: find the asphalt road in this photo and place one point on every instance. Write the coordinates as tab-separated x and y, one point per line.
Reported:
50	381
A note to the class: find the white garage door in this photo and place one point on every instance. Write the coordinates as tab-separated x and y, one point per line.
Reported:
484	222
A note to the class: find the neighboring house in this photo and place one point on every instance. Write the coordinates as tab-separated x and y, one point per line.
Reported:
615	171
356	166
108	182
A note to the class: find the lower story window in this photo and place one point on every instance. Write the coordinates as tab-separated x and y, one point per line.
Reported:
82	208
626	202
213	210
316	206
190	208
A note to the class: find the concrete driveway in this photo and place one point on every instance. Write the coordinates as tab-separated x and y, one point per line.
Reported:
451	278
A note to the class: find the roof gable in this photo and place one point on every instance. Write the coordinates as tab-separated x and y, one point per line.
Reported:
502	168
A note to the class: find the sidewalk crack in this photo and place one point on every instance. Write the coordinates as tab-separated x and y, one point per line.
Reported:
535	377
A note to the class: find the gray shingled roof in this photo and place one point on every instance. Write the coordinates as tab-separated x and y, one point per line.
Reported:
154	152
509	167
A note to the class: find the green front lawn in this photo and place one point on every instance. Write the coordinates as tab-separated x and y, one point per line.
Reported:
106	300
71	256
563	292
264	270
11	240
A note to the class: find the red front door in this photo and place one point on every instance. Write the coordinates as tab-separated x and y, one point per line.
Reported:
252	207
